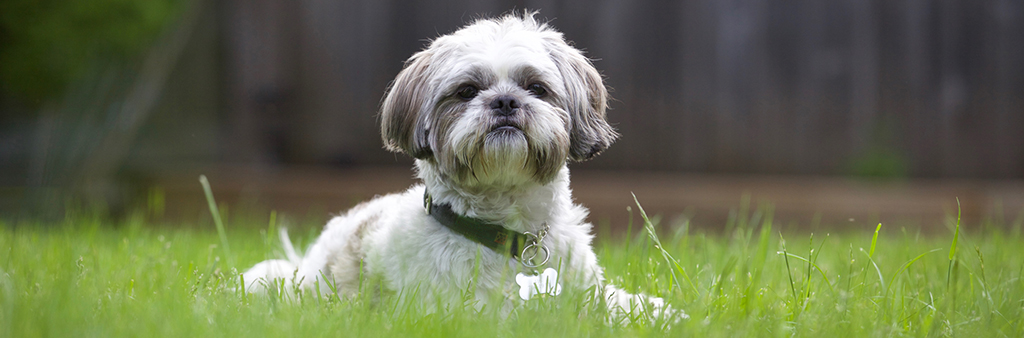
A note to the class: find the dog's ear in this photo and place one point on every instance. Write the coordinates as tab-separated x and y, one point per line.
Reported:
402	126
586	101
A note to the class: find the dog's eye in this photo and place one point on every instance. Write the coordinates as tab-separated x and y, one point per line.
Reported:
537	89
467	92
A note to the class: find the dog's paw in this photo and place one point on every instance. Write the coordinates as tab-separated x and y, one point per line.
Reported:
625	305
657	309
266	273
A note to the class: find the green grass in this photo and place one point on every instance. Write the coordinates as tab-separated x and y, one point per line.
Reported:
86	277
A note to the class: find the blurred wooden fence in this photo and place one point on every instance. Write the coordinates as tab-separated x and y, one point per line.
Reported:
917	87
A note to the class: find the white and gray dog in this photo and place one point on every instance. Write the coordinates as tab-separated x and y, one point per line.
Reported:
492	113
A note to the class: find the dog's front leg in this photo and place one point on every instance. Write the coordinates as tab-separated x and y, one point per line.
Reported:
624	304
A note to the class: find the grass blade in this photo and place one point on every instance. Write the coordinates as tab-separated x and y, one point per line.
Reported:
877	270
816	267
216	218
956	234
905	266
668	257
952	247
789	271
874	240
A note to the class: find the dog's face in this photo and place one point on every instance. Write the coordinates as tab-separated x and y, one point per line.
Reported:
498	103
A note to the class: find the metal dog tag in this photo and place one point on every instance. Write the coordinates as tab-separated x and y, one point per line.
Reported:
544	284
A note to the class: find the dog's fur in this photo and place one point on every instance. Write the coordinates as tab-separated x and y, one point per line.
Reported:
505	168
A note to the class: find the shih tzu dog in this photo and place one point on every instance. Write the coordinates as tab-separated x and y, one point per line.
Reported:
492	113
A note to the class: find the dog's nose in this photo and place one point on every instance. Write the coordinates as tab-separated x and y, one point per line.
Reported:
505	105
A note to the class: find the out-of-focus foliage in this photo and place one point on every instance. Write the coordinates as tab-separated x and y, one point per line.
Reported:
880	162
47	44
881	159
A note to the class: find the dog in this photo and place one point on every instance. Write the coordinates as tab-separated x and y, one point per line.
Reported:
492	114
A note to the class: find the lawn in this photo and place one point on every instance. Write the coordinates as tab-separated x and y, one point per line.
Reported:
144	277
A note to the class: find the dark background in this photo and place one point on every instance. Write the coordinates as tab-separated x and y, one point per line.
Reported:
887	92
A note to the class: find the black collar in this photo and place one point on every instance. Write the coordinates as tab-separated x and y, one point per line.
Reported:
491	235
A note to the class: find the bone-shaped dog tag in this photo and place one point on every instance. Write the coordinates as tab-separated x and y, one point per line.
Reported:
546	283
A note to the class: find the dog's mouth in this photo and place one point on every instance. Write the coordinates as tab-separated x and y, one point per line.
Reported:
506	124
505	129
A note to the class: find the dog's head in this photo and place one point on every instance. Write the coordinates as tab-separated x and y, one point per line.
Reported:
500	101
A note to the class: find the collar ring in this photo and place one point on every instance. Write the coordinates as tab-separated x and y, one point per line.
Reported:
538	250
